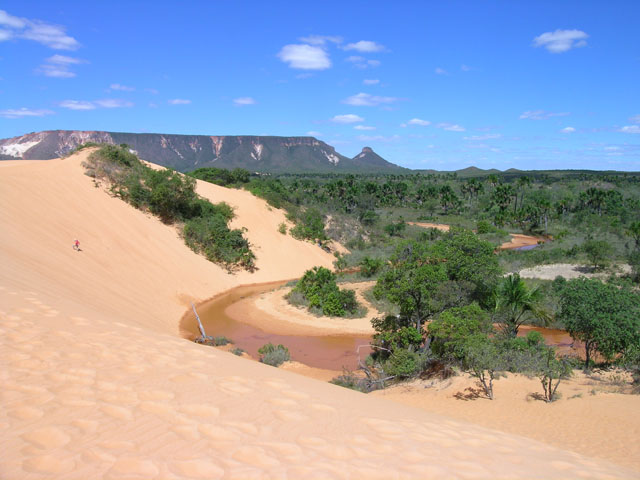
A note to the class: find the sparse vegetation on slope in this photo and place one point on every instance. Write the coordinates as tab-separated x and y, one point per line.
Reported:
171	196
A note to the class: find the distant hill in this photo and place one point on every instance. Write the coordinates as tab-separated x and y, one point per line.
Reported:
187	152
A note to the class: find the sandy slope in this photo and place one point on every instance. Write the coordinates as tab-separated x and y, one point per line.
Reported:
95	382
591	417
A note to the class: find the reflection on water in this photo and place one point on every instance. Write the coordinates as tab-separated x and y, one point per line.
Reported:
526	247
332	352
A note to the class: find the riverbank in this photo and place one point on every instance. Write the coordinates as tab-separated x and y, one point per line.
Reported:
518	240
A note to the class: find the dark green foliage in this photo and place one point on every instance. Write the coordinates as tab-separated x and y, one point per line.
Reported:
171	196
450	330
395	229
395	332
402	363
516	303
370	266
274	355
411	281
604	317
222	176
309	225
467	258
318	286
211	236
598	252
237	351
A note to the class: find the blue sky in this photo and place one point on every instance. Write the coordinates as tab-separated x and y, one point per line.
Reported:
444	85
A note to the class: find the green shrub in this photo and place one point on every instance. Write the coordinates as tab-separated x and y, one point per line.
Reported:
402	363
237	351
318	287
172	197
274	355
282	228
370	266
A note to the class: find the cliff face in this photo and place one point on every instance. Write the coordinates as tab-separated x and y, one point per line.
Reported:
187	152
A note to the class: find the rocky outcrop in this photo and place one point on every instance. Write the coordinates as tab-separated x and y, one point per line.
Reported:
187	152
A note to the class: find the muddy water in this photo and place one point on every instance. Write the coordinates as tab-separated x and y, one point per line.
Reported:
332	352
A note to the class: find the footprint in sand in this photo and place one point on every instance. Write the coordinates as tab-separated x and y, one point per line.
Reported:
255	456
26	413
119	413
48	465
197	469
129	468
47	438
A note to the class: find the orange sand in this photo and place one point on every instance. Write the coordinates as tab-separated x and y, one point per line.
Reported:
95	382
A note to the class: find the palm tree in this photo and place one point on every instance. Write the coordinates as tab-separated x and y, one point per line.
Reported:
515	303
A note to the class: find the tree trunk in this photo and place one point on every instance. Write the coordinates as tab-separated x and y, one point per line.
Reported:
587	351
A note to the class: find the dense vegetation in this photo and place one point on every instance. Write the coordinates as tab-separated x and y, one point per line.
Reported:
318	290
451	301
171	196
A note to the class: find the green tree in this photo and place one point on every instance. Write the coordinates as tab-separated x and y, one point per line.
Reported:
598	252
411	281
634	232
604	317
516	303
467	258
482	359
450	330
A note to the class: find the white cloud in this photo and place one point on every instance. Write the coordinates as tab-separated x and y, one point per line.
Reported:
372	81
361	62
630	129
10	21
305	57
465	68
635	119
541	115
113	103
441	71
52	36
321	39
244	101
451	127
419	122
364	127
77	105
22	112
152	91
178	101
122	88
488	136
87	105
377	138
365	46
313	133
368	100
348	118
57	66
561	40
568	130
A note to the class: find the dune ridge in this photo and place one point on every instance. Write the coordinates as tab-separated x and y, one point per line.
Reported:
96	383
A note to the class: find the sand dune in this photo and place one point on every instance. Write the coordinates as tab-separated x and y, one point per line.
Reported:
96	383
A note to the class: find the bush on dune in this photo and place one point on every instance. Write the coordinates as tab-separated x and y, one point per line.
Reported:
172	197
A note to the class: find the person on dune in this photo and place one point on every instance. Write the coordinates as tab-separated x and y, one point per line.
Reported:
76	245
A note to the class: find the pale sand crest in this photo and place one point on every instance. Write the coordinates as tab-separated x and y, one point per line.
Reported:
95	382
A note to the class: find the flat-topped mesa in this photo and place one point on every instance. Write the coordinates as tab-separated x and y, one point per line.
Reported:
188	152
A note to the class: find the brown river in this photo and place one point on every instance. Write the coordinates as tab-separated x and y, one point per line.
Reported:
331	352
